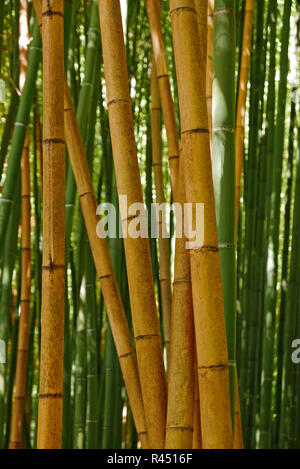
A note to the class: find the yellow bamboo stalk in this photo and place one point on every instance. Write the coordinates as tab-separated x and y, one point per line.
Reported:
197	438
16	435
109	287
241	105
239	145
209	66
137	252
164	257
102	261
179	429
180	414
39	144
53	272
212	355
159	54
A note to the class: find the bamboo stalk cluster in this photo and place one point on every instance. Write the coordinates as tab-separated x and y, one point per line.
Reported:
143	342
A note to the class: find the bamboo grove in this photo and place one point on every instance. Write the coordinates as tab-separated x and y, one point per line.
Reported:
148	341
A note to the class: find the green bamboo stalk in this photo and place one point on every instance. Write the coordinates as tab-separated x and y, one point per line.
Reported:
284	271
83	108
6	299
21	123
91	339
250	195
290	321
14	100
223	151
273	239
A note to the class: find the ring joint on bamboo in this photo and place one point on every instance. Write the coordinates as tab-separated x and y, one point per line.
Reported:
195	131
52	13
118	101
183	9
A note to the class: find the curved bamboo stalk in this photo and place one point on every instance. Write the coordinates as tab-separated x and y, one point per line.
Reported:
137	252
159	54
205	264
104	268
53	273
163	242
241	104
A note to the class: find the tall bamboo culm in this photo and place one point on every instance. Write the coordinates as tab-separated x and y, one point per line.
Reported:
164	256
104	268
137	252
53	271
16	436
209	320
241	104
223	157
181	386
159	54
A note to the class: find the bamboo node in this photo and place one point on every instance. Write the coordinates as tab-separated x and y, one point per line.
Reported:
52	13
180	427
195	131
53	140
124	355
182	9
6	201
224	10
50	396
51	267
118	100
220	367
146	336
163	75
224	128
206	248
181	281
226	245
101	277
85	193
